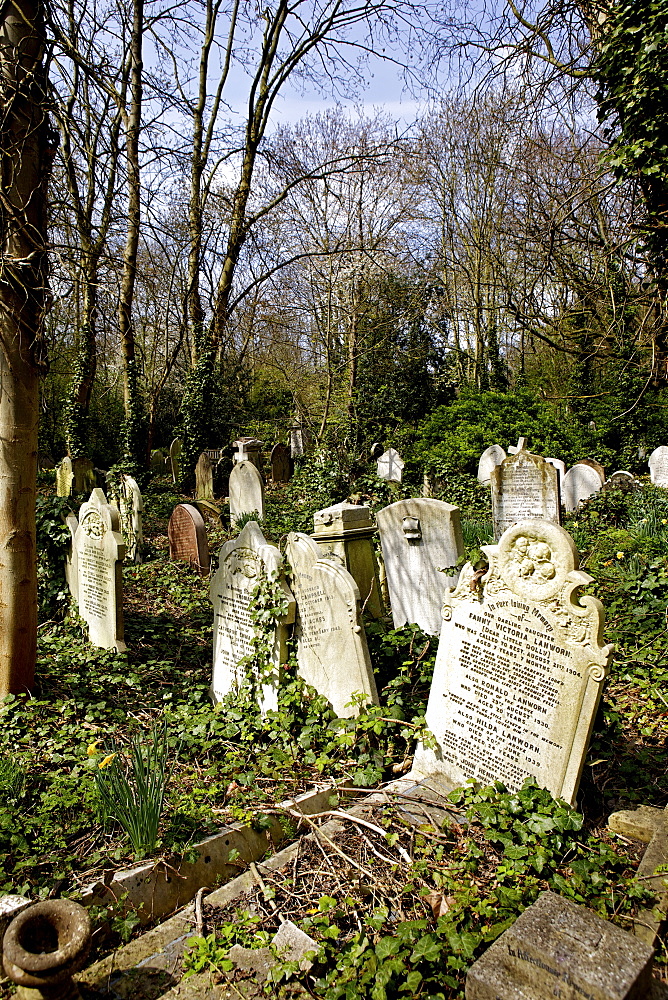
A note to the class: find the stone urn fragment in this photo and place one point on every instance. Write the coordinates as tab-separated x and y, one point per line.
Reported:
44	946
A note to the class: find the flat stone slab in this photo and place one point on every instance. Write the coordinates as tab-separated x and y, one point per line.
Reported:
639	824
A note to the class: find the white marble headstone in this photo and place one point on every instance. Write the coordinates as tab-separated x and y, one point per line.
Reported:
580	482
243	563
246	491
658	466
391	466
332	653
524	485
175	449
519	668
71	560
490	458
100	551
419	538
559	466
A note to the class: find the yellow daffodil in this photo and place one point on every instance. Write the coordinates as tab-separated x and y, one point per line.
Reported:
620	555
92	749
664	521
574	524
107	760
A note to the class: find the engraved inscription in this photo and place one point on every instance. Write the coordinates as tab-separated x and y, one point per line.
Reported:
96	587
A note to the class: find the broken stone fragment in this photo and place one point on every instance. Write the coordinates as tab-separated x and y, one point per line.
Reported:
291	943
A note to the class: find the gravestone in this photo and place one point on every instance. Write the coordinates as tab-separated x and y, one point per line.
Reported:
556	949
560	467
157	462
346	531
376	450
204	478
490	458
519	668
243	563
249	450
419	538
125	496
175	449
658	466
281	464
246	491
71	561
223	468
332	653
580	482
64	477
84	476
593	464
296	440
187	538
100	551
44	462
621	480
524	485
391	466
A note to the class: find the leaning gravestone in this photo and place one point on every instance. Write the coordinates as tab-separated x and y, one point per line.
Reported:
332	653
99	554
64	477
519	668
281	464
243	563
579	483
204	478
524	485
391	466
175	449
419	538
346	531
490	458
126	497
246	491
658	466
187	538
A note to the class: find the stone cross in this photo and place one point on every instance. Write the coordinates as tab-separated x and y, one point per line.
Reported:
332	654
519	668
391	466
100	551
249	450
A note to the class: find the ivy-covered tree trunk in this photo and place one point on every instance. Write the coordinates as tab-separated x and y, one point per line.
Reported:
25	163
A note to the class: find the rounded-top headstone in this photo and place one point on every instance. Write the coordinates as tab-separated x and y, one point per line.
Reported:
658	466
489	460
281	463
187	537
580	482
593	464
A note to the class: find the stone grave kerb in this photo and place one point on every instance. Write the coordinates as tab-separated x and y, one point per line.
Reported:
346	531
245	559
99	528
529	599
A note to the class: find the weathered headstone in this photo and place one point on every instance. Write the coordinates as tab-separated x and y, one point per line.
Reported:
391	466
580	482
556	948
593	464
125	496
246	491
281	464
490	458
519	668
658	466
157	462
71	560
345	531
175	449
243	563
332	653
64	477
559	466
187	538
419	539
84	476
204	478
296	440
249	450
99	553
524	485
621	480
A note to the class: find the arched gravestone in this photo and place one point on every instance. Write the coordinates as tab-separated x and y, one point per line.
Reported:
204	478
157	463
391	466
242	563
580	482
593	464
658	466
560	467
187	538
519	668
524	485
332	653
175	449
490	458
419	538
64	477
100	551
281	464
621	480
246	491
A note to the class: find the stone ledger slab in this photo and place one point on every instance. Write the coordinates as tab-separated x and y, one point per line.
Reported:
558	949
419	538
243	563
523	486
332	653
490	458
658	466
519	668
579	483
246	491
390	466
187	537
100	551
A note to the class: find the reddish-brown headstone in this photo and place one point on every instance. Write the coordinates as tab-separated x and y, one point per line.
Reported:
281	464
187	537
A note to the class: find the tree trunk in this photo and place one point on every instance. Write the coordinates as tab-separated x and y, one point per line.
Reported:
25	162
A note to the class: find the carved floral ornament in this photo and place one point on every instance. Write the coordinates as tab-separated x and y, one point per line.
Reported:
92	524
